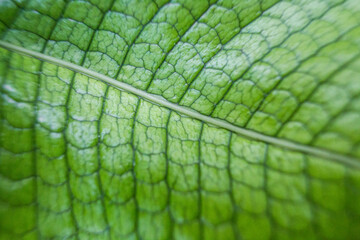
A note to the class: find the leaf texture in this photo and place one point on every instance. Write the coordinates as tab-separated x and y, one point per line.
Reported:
81	159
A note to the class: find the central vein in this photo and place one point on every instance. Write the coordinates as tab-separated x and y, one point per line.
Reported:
185	110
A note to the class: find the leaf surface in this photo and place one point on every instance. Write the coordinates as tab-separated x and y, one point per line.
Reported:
83	159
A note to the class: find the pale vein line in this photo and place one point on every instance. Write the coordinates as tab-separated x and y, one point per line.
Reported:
187	111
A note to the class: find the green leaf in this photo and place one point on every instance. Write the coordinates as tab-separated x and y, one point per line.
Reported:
179	120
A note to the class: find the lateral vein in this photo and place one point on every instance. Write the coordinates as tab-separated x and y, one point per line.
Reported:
327	154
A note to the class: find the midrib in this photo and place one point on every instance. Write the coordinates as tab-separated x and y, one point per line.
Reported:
185	110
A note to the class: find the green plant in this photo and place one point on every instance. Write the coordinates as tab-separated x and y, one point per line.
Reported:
180	120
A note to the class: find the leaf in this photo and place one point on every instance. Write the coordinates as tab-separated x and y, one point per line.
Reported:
182	120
